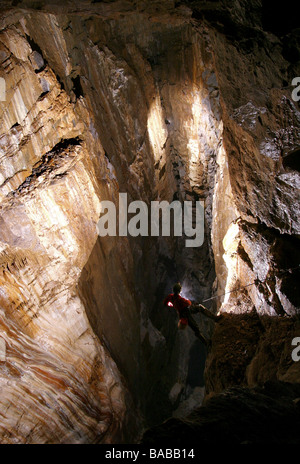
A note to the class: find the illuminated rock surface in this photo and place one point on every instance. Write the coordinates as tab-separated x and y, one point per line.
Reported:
164	102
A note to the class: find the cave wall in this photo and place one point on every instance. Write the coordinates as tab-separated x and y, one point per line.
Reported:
170	74
58	383
257	243
261	124
162	102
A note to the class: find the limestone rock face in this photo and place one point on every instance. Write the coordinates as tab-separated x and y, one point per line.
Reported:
163	100
58	383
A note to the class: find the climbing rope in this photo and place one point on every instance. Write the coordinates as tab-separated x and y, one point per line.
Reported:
256	281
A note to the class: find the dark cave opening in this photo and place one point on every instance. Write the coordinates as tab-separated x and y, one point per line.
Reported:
292	160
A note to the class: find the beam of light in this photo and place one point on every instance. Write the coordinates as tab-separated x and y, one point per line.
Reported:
193	126
185	292
230	244
157	130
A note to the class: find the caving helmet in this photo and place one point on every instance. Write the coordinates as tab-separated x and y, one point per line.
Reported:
177	288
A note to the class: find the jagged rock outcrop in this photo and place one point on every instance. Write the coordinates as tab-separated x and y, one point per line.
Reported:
164	101
268	414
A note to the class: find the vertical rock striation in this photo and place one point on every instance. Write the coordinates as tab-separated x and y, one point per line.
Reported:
58	383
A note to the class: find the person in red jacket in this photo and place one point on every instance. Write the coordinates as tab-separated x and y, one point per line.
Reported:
183	308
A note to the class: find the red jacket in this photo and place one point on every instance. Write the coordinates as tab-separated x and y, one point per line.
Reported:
178	302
